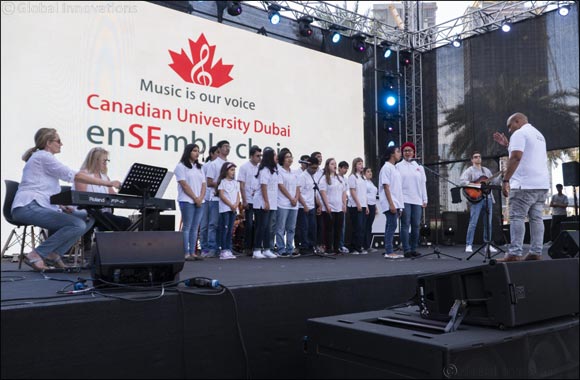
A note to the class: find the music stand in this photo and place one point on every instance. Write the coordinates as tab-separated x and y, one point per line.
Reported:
485	190
436	250
144	181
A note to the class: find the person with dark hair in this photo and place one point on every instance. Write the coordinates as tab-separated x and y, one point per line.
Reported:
391	197
229	194
333	194
212	174
526	181
266	204
414	197
559	203
248	184
288	195
341	172
304	162
372	193
31	205
319	217
473	174
303	166
308	206
203	228
357	206
191	188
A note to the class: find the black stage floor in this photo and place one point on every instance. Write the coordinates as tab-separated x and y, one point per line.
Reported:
253	329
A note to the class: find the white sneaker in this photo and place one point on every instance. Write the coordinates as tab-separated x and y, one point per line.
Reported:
492	250
258	255
364	252
392	256
268	254
226	255
468	249
343	250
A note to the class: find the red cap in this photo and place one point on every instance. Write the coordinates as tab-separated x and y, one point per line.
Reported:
408	144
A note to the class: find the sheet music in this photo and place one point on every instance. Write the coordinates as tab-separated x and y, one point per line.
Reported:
164	184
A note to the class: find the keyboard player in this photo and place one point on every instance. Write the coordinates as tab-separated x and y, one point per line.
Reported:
96	165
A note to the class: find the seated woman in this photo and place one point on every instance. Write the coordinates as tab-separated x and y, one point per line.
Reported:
40	180
95	165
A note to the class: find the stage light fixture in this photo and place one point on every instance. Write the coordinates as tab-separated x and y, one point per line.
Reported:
456	42
358	42
563	10
274	13
304	26
234	8
406	58
335	37
506	27
391	100
387	49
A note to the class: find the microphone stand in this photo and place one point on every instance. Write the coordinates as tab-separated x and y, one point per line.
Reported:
436	250
485	190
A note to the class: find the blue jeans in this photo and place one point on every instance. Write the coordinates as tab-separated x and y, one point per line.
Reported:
64	229
307	225
390	228
225	230
203	226
191	217
411	218
285	225
528	203
263	230
213	217
474	211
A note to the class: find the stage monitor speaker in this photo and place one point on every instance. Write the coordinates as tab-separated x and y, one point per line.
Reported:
565	246
505	294
394	344
140	258
571	173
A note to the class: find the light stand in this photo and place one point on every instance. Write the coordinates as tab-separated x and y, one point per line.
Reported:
436	250
485	189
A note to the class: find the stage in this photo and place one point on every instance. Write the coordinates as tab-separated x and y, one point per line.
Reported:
256	328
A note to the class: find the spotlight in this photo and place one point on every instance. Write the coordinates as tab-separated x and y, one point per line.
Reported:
387	49
456	42
274	13
564	10
391	100
358	42
390	143
406	58
506	27
234	8
304	26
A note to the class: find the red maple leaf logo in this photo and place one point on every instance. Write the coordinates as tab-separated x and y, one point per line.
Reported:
202	72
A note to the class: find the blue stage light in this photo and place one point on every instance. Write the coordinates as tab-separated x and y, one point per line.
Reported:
391	100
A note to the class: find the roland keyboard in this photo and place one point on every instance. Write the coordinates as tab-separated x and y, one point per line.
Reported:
85	199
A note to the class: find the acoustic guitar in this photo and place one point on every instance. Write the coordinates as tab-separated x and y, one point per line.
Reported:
473	191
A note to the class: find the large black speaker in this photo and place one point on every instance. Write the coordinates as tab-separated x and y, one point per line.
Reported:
571	173
505	294
565	245
398	343
140	258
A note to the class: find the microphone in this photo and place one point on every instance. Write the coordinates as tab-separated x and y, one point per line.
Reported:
202	283
303	162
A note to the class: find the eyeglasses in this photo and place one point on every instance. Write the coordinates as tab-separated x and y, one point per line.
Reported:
408	150
106	160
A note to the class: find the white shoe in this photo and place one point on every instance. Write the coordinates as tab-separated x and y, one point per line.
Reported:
343	250
468	249
492	250
268	254
258	255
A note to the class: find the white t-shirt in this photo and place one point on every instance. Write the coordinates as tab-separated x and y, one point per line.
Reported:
213	172
290	182
306	183
271	180
414	182
96	188
371	193
208	191
193	177
40	180
359	184
334	193
231	190
389	175
532	172
247	175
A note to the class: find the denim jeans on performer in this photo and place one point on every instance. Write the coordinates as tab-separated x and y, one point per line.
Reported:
411	218
285	225
191	218
475	210
225	230
390	228
528	203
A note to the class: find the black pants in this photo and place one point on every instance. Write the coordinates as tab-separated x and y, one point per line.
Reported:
332	230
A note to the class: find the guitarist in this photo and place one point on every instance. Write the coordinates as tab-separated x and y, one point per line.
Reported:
476	174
